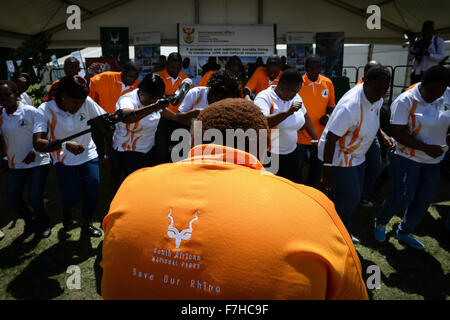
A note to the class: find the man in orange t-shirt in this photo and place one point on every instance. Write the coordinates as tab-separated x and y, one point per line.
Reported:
317	94
196	237
264	77
107	87
172	77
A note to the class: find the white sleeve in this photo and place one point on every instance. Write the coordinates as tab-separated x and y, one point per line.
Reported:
93	108
189	100
40	121
303	108
400	109
125	103
262	101
440	54
340	122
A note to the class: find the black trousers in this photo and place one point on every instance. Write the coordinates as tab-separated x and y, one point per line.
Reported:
163	143
290	165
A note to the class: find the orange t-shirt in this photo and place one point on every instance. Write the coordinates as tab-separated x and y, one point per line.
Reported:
317	97
172	85
107	87
204	81
260	81
196	237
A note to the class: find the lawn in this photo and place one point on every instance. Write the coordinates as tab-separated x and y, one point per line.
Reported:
36	268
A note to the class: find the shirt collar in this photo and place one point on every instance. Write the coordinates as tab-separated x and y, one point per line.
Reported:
15	113
222	154
307	81
417	96
367	102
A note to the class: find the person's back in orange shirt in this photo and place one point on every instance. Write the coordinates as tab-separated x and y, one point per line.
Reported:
264	77
107	87
194	236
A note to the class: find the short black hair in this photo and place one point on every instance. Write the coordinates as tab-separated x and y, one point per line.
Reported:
370	64
75	87
233	61
174	56
313	58
152	84
130	66
429	24
436	74
16	75
224	83
70	60
291	75
274	60
378	72
11	85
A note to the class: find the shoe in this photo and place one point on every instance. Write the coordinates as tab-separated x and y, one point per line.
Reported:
355	240
2	235
366	203
409	240
380	232
46	232
91	231
28	229
68	224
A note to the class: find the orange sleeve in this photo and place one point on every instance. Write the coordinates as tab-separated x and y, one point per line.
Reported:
252	83
331	98
93	91
204	81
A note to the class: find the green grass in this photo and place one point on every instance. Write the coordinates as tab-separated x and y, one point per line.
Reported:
35	268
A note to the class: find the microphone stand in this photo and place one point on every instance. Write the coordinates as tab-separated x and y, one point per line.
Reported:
106	122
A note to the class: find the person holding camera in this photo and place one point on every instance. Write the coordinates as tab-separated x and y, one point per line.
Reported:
428	51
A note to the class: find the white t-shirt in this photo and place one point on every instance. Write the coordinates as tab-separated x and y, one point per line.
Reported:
138	136
25	99
17	129
427	122
60	124
196	98
356	121
285	138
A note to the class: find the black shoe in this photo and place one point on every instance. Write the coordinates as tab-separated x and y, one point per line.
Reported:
68	224
28	229
91	231
46	232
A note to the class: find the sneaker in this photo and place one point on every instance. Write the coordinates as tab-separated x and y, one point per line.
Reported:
366	203
355	240
46	232
91	231
409	240
2	235
380	232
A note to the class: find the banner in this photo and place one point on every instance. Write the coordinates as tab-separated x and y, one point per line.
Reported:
330	47
299	46
115	44
248	42
147	49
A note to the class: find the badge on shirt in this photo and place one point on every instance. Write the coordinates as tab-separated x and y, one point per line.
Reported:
325	93
445	107
22	123
82	117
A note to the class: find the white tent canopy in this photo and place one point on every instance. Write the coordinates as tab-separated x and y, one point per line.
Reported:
21	19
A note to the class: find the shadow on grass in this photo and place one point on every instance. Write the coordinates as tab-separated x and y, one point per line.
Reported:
35	281
416	271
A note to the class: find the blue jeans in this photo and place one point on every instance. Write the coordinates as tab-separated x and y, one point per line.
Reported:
413	188
36	177
349	182
373	167
73	178
315	165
